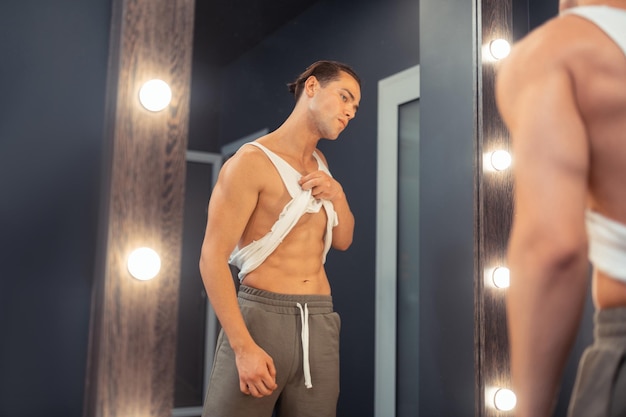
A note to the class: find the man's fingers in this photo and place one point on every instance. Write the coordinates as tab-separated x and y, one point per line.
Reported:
312	179
259	390
244	388
270	383
257	374
308	184
264	386
318	186
272	370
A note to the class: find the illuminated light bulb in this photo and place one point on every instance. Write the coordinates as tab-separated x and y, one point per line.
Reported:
504	399
155	95
500	160
499	48
501	277
144	264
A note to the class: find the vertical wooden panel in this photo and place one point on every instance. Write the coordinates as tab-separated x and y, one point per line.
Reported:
494	217
133	325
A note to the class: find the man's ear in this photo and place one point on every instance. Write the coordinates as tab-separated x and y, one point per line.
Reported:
311	85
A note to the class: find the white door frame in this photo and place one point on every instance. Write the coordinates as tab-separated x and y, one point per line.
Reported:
393	91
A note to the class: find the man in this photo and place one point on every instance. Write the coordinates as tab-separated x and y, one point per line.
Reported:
274	213
562	94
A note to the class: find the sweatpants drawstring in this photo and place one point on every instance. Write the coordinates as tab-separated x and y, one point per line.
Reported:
304	318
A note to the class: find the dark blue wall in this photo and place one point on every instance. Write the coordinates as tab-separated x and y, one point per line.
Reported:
52	76
539	11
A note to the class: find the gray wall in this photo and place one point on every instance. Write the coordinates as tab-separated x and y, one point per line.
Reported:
53	72
447	203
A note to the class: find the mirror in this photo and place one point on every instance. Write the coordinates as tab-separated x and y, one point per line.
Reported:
244	54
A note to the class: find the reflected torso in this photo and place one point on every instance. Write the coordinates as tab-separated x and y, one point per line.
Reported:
295	267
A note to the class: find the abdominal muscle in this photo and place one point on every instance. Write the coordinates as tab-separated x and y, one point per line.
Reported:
295	267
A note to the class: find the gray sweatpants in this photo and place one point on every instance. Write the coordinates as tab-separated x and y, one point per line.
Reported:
600	389
276	323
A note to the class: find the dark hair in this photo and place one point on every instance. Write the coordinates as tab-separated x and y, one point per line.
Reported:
324	71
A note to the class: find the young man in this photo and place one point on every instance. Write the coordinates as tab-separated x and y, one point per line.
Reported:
274	213
562	94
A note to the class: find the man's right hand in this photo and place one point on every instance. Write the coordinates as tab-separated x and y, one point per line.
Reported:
257	374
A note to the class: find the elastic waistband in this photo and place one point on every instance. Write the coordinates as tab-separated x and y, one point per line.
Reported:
610	323
285	303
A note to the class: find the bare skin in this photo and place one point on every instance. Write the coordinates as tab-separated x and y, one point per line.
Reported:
562	94
249	196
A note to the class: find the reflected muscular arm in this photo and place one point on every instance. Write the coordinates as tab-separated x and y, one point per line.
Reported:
232	202
547	247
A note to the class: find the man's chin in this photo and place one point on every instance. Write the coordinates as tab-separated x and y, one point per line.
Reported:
335	135
331	136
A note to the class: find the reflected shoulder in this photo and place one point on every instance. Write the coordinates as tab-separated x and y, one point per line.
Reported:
248	165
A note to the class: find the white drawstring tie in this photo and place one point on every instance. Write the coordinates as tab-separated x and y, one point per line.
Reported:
304	318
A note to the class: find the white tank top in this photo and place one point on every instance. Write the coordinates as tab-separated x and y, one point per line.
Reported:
249	258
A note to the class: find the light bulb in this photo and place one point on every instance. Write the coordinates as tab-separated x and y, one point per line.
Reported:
155	95
144	263
500	160
504	399
499	48
501	277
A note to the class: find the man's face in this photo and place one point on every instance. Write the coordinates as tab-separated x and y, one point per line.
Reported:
335	105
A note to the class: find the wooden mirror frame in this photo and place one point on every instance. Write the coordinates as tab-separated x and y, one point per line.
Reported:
131	356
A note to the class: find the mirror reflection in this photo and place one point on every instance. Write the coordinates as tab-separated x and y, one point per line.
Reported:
244	55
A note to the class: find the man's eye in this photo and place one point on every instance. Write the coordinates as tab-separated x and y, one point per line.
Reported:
344	98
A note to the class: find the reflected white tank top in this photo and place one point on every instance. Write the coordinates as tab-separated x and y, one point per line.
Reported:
249	258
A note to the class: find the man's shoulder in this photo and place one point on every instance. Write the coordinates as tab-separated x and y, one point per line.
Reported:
547	42
564	39
246	157
556	46
248	164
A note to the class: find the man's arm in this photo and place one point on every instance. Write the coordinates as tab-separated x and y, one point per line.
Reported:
547	248
344	231
232	202
326	187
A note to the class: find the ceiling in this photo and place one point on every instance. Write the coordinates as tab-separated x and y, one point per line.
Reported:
225	29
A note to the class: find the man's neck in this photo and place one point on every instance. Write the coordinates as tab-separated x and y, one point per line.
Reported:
294	139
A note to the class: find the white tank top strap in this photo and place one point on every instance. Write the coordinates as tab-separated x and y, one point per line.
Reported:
289	174
610	19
